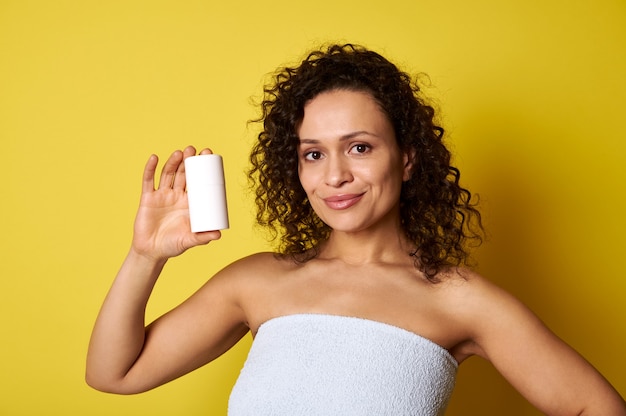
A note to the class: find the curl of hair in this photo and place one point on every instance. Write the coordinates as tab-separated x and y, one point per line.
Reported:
437	214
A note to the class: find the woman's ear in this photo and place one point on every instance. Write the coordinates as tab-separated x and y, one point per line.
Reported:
408	159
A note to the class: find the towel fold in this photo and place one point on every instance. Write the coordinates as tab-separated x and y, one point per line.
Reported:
309	364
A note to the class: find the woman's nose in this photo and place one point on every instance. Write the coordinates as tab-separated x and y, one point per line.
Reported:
338	172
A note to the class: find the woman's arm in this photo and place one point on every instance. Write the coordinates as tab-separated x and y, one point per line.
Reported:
126	357
543	368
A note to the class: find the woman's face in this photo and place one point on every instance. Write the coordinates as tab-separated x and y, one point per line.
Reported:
349	162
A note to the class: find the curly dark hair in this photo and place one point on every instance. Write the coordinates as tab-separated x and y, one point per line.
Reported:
437	214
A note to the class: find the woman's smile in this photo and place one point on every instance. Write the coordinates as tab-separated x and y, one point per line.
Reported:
343	201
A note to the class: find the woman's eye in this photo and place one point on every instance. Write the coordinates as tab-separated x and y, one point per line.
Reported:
312	155
360	148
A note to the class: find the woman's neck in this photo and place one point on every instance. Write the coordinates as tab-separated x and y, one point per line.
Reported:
388	246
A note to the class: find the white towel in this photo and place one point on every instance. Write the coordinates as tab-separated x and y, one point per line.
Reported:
309	364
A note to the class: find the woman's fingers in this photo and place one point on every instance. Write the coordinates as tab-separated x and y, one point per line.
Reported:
173	172
180	180
148	174
189	151
169	170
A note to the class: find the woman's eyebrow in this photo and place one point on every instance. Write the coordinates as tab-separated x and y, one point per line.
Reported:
348	136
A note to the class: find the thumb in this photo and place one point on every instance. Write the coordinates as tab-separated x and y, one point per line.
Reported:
205	237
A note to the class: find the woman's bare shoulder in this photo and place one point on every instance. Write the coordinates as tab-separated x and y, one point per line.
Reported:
257	266
468	286
470	297
476	299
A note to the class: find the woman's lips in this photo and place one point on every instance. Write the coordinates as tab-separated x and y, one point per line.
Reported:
342	201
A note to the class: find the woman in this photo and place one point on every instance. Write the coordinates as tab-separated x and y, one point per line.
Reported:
367	308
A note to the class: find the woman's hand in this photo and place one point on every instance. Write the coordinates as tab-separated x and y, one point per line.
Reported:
162	228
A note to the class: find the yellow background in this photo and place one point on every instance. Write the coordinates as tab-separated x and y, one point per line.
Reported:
532	94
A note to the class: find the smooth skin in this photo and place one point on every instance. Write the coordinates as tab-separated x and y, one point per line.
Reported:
351	169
